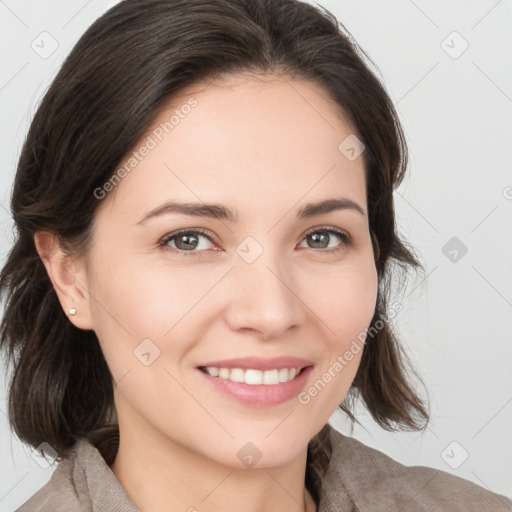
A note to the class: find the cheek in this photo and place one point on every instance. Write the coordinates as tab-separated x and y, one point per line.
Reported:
154	294
136	301
346	307
345	302
336	371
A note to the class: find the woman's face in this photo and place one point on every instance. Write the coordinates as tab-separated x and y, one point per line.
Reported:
267	283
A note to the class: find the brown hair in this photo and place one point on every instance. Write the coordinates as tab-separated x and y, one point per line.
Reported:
125	67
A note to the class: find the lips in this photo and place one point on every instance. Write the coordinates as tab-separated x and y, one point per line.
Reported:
260	396
258	363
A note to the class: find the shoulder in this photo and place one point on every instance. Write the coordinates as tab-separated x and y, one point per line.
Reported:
65	489
82	482
372	480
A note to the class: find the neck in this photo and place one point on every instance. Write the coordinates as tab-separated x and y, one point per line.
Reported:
159	474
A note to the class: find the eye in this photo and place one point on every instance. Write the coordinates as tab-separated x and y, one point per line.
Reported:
188	240
320	236
185	240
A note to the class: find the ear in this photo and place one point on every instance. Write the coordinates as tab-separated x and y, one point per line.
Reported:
68	277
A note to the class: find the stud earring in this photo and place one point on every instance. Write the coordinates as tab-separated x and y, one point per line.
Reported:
72	311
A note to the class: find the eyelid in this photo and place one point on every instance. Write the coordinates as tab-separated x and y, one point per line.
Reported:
328	228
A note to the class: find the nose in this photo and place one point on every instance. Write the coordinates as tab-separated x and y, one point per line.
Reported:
263	297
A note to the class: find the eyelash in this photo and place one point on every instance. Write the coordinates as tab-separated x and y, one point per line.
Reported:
347	240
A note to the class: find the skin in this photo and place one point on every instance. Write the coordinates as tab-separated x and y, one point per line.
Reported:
264	146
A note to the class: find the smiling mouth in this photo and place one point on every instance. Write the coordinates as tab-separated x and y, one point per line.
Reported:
254	377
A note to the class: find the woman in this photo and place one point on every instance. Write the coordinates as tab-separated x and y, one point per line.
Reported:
206	232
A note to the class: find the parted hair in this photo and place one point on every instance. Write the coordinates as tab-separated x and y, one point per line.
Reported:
123	70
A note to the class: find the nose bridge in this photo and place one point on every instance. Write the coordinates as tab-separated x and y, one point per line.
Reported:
261	295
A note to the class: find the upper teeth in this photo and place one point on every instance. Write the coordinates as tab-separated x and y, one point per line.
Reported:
253	377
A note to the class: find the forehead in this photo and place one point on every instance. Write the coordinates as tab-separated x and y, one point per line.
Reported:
266	140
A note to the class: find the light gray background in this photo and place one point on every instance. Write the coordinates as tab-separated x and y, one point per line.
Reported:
456	108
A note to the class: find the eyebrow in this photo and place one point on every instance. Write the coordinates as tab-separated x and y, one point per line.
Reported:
221	212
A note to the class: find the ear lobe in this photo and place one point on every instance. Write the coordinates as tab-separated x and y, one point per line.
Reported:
68	278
